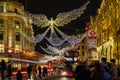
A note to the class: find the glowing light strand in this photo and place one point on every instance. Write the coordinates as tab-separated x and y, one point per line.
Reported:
37	39
41	20
63	48
62	18
54	39
71	39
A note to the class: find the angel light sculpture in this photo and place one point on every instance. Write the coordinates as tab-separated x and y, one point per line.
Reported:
62	19
41	20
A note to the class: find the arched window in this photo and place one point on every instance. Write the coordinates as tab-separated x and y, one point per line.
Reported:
17	24
17	36
1	23
1	35
1	8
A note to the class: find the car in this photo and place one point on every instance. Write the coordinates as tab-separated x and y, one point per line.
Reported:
68	73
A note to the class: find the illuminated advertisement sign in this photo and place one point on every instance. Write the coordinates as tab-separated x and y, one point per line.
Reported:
92	43
71	59
92	39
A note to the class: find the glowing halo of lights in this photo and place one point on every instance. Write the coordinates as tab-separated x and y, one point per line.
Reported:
61	19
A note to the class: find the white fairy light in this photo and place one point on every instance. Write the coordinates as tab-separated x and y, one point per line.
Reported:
61	19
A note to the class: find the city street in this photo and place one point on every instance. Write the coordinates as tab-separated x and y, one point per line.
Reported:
59	39
49	78
55	77
61	78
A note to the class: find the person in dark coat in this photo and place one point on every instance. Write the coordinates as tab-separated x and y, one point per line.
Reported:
44	72
81	72
9	69
29	70
114	70
97	73
39	69
3	68
19	75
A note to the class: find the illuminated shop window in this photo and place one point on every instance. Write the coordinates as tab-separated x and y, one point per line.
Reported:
17	36
1	23
1	48
1	35
17	24
17	48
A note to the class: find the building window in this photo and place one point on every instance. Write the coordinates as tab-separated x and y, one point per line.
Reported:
16	11
1	23
82	47
1	35
17	24
1	8
1	48
83	53
17	36
17	48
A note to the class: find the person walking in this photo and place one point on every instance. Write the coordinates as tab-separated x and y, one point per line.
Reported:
34	72
9	70
97	73
44	72
105	65
29	70
19	75
114	71
3	68
40	71
81	72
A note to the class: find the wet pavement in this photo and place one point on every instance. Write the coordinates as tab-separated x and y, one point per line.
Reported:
56	77
61	78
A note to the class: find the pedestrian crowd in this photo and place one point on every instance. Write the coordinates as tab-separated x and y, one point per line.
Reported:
36	72
97	70
6	71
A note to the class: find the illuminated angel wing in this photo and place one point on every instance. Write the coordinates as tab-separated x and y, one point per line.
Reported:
39	20
67	17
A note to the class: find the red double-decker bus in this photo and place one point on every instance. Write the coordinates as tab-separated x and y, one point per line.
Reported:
71	57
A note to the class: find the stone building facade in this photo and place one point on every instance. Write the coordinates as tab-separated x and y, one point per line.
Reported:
107	25
13	44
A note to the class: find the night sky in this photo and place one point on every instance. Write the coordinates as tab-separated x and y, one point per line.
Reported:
52	7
